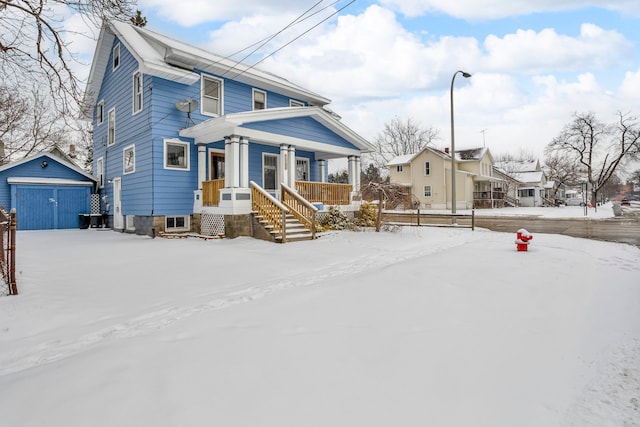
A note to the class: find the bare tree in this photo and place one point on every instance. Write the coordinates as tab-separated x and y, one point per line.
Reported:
598	147
401	137
32	42
562	170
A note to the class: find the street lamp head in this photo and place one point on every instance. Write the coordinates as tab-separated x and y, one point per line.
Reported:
466	75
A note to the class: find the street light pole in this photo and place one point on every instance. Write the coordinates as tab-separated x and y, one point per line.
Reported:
453	148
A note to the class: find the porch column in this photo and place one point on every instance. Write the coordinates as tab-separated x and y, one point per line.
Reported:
357	172
202	165
283	166
231	161
322	164
244	162
352	173
292	167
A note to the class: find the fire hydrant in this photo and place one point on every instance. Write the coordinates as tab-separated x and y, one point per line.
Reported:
522	240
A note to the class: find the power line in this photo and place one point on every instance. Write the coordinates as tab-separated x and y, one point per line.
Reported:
296	38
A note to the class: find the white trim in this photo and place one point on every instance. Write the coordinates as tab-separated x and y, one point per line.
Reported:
187	148
132	149
135	95
46	181
220	81
115	66
253	99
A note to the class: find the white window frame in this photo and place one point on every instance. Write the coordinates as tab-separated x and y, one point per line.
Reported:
100	112
137	93
306	164
427	168
100	171
399	168
275	168
427	191
111	128
294	103
203	96
116	57
129	152
187	223
187	162
253	99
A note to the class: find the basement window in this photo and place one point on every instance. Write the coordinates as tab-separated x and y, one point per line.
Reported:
177	223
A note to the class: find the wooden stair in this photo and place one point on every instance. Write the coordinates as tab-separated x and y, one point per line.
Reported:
295	230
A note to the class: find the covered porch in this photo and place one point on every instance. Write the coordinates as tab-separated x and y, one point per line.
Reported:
489	192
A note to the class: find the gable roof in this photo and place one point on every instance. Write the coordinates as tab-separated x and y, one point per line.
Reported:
53	154
473	154
164	57
218	127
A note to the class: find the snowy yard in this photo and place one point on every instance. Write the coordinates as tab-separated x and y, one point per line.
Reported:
422	327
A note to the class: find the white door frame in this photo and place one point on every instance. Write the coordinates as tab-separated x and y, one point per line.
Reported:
118	218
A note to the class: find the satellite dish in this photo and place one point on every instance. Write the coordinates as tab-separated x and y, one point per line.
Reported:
187	105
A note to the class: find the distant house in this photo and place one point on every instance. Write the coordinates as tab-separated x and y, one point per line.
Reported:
427	175
185	140
532	189
48	191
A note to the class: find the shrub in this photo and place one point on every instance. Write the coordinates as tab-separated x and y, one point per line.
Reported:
334	219
367	215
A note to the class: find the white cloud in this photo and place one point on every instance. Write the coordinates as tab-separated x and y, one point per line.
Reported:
495	9
629	91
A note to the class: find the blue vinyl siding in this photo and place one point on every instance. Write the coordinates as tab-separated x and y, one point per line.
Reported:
304	128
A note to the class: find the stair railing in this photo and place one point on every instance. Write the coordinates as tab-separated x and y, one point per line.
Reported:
300	208
267	206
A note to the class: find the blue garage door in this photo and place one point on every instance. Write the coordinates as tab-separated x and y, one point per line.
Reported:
40	207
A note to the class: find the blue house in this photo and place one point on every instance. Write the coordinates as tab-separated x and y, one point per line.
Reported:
185	140
47	190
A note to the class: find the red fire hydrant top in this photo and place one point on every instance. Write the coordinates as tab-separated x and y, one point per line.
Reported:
522	240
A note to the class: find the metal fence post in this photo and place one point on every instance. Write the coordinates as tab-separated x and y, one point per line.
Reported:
12	252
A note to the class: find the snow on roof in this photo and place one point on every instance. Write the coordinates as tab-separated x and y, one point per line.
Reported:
404	159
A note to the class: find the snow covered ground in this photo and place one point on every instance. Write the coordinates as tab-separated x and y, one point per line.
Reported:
421	327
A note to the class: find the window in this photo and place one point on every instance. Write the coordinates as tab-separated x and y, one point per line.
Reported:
269	171
527	192
176	223
211	96
294	103
427	191
100	172
116	56
137	92
399	168
427	168
129	159
111	133
176	155
100	112
302	169
259	100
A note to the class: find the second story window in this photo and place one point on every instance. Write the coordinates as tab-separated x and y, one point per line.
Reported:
100	112
259	100
116	56
211	90
427	168
399	168
137	92
111	134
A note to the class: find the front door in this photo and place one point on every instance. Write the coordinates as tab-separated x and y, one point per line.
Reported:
216	169
118	219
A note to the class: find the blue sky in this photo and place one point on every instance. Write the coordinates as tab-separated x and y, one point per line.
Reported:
534	64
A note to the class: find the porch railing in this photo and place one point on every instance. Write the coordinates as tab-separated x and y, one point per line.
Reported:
300	208
211	192
268	207
325	192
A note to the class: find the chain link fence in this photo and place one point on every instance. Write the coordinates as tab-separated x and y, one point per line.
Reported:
7	253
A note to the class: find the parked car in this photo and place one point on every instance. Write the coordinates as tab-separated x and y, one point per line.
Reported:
574	201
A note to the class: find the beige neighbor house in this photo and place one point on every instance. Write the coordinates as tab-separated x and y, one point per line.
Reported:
427	175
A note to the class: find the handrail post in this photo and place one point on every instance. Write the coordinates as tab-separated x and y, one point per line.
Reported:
284	227
12	252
